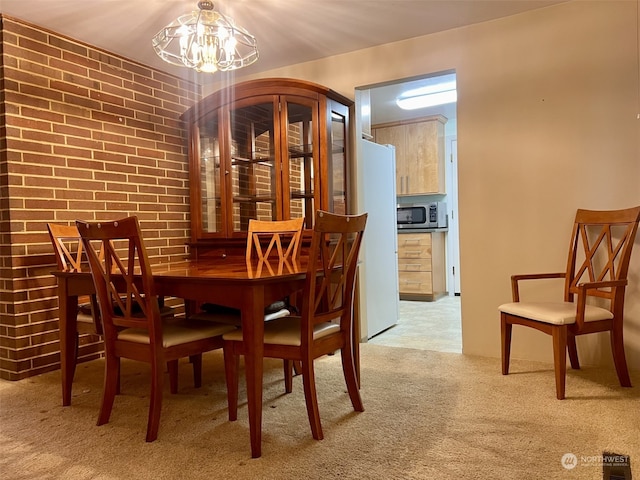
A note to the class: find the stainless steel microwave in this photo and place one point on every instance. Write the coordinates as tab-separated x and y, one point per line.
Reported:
422	216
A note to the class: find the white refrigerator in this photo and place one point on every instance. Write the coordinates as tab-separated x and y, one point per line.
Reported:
378	270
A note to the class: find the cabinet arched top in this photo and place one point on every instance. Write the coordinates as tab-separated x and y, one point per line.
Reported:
262	86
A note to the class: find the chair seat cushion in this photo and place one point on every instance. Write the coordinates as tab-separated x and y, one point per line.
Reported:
286	331
177	333
556	313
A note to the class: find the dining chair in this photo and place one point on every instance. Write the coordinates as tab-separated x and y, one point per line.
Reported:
67	247
325	322
130	315
594	288
284	235
272	244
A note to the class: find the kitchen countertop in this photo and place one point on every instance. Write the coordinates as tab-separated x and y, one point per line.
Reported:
422	230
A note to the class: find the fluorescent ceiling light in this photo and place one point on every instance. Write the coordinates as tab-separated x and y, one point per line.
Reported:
429	96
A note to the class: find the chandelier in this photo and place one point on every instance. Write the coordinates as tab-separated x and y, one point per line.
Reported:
206	41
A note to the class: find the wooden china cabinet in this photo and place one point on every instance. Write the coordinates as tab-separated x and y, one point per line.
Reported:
271	149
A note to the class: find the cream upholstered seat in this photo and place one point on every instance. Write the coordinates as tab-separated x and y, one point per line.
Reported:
131	319
326	321
556	313
286	331
597	268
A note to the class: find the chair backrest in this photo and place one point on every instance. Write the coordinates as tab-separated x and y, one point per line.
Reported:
600	251
331	270
284	235
67	246
123	280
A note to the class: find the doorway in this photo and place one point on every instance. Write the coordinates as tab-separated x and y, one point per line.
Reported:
376	104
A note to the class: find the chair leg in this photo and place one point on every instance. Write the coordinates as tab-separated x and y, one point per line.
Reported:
111	383
155	404
288	375
297	367
351	377
231	367
196	361
619	360
559	335
172	366
505	330
311	398
573	352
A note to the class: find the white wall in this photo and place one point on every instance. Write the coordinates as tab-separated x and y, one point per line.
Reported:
547	104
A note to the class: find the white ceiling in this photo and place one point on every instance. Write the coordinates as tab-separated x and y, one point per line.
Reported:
287	31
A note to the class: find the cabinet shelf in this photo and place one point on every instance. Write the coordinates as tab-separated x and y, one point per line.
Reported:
300	151
267	161
301	194
253	199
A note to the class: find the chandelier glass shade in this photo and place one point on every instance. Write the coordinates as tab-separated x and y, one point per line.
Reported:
207	41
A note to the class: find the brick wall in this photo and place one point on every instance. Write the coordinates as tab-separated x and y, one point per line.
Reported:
85	134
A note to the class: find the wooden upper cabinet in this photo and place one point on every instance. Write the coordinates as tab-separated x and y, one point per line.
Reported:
268	149
419	153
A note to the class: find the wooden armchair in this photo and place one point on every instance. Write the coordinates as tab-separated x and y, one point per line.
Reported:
131	319
597	268
326	321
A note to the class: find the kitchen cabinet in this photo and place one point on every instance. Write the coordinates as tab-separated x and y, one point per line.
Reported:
419	153
270	149
421	265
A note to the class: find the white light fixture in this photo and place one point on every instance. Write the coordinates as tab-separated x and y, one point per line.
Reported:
429	96
207	41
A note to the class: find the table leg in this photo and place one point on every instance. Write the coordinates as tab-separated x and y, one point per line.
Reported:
67	318
253	334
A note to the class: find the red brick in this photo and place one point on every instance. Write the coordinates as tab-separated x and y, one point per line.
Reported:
41	115
106	97
71	152
39	47
69	88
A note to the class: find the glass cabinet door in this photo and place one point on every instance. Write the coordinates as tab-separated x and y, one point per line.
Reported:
254	171
338	179
210	168
301	172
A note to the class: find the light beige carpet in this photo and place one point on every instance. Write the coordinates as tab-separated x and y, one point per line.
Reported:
428	415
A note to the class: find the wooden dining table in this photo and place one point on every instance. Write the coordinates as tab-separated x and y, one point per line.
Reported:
230	282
